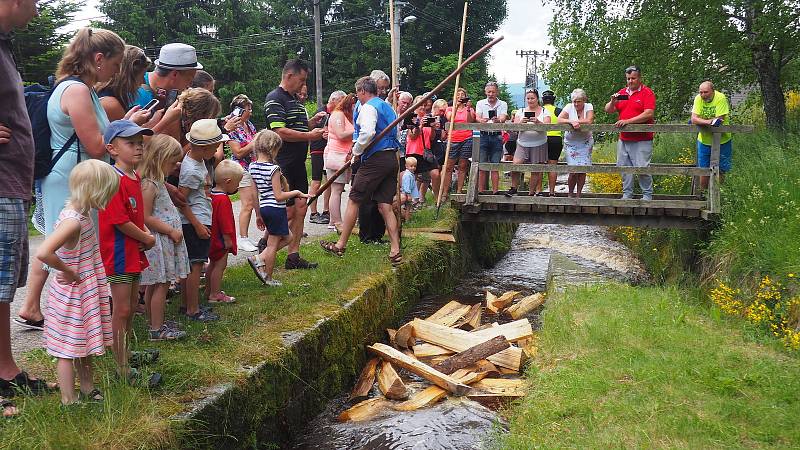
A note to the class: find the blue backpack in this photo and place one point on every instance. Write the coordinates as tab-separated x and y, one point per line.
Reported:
36	98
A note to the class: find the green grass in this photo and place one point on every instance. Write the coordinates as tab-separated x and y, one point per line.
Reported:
249	333
647	367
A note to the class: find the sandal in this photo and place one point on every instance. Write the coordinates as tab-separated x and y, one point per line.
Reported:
9	408
37	325
256	264
95	396
331	248
396	259
26	384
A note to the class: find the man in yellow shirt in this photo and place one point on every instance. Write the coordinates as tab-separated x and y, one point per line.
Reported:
555	142
711	109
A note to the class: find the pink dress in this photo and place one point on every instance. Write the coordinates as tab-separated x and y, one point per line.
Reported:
78	318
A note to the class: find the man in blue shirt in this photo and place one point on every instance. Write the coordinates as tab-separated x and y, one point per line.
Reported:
175	69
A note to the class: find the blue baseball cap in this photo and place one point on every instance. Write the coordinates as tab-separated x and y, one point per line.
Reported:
124	128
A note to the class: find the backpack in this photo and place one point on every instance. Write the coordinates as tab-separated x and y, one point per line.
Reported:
36	98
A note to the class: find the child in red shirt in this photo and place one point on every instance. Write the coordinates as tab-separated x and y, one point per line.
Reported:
123	236
227	176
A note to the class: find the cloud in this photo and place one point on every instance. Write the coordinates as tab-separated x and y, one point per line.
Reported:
525	28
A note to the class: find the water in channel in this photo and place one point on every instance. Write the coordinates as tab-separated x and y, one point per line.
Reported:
460	423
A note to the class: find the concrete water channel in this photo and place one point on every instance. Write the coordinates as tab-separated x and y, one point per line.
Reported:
541	257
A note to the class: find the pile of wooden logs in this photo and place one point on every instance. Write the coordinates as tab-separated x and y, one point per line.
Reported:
453	351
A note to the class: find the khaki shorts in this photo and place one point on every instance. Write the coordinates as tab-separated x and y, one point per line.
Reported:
247	180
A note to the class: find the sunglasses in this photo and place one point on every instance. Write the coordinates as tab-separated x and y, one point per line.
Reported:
632	69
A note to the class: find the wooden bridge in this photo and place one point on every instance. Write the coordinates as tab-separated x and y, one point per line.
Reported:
695	210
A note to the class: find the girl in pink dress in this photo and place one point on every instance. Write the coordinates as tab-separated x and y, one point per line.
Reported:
77	322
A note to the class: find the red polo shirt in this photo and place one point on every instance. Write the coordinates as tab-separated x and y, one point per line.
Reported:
121	254
638	100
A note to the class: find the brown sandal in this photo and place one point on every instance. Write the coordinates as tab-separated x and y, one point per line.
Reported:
397	259
331	248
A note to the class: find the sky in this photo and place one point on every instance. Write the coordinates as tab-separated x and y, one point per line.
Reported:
525	28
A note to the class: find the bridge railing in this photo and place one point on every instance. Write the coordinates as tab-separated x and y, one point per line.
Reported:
709	207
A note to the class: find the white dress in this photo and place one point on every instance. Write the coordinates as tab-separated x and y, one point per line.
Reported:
578	144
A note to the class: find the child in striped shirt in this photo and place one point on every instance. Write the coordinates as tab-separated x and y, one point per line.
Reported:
272	196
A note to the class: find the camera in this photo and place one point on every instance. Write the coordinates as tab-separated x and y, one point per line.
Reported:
428	120
464	100
408	123
529	114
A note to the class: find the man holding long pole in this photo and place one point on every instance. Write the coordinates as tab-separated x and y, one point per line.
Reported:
376	178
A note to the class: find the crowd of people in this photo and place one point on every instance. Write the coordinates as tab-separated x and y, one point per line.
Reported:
134	201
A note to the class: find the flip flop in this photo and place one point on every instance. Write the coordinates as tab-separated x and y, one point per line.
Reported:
37	325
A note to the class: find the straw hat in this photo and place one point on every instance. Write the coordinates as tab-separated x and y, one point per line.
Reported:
178	56
206	132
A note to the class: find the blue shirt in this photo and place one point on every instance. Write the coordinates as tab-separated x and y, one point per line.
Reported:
409	184
144	95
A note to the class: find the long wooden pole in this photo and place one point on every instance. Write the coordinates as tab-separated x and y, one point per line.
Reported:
395	53
453	117
409	111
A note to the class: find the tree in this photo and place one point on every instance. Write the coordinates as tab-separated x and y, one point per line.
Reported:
39	46
678	44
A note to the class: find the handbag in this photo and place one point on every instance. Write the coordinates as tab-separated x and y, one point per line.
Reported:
427	153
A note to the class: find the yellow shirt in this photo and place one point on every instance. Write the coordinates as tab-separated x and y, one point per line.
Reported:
552	110
718	106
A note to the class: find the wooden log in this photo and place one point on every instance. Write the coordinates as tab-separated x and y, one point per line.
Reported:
409	353
468	376
425	371
364	410
365	380
528	346
392	333
422	399
513	331
471	319
512	387
472	355
449	313
460	340
426	350
490	299
404	334
485	326
390	383
526	305
442	237
504	300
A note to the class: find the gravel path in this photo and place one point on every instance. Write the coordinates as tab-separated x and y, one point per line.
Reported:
23	340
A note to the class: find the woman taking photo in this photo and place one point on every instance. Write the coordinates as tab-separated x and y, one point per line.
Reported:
421	138
460	142
337	152
577	143
531	145
242	153
117	94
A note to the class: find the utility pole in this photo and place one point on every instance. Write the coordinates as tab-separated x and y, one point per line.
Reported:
395	13
532	66
318	54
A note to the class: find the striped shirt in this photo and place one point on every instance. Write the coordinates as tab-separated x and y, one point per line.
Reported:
262	173
284	111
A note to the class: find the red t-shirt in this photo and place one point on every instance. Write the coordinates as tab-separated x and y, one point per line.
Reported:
461	117
222	224
639	100
417	146
121	254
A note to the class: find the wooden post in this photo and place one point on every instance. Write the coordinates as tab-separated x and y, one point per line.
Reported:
713	181
472	186
392	34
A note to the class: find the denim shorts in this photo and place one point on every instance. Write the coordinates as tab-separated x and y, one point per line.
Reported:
461	150
725	155
491	148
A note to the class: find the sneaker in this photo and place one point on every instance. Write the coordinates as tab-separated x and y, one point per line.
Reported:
203	316
37	325
647	198
626	197
272	282
511	192
166	334
221	297
314	218
325	217
298	263
245	245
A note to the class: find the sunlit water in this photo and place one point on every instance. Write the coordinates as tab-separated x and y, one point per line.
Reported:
459	423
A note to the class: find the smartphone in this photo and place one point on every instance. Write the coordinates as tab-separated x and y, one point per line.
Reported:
151	105
324	122
492	113
529	114
221	125
237	112
464	100
408	122
172	96
622	97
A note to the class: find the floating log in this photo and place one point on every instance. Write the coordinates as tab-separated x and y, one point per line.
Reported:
486	326
449	314
527	346
422	398
425	371
505	387
471	319
468	376
403	335
525	306
365	380
426	350
432	236
364	410
472	355
513	331
390	383
460	340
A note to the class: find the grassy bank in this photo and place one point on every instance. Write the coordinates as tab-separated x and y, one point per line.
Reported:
648	367
251	331
748	264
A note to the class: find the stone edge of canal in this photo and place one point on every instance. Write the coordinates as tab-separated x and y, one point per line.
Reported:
280	396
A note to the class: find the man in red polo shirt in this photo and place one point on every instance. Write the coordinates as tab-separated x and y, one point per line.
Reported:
635	103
